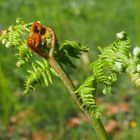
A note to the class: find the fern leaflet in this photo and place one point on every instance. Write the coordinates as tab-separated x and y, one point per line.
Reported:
41	74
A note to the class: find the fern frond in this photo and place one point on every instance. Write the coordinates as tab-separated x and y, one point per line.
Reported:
86	94
24	54
68	50
133	68
40	74
15	37
113	59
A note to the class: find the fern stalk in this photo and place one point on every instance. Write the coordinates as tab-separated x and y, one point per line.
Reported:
96	122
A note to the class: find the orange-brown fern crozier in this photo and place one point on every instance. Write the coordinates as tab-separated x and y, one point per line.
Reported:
39	36
34	40
51	41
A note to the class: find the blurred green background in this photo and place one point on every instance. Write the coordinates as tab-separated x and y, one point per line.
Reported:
49	113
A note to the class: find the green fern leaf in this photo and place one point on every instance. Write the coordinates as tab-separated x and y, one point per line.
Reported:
86	95
14	37
41	74
23	54
113	59
68	50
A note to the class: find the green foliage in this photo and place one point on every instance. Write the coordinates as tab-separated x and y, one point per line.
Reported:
41	74
87	95
12	37
75	18
15	37
23	54
68	50
115	58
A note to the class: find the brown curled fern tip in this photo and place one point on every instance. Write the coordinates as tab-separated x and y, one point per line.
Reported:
41	40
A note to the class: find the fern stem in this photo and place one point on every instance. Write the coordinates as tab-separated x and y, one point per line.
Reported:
99	129
96	123
63	76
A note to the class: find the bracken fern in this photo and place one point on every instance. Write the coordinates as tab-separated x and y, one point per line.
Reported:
114	59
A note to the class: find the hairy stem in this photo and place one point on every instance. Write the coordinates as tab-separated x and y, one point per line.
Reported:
96	123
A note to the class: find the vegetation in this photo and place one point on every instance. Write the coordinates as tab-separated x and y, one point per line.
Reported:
33	105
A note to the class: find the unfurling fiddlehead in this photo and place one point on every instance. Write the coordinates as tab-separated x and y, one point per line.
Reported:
15	37
42	40
26	38
113	59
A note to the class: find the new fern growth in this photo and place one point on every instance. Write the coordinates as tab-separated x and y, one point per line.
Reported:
68	50
23	54
87	96
114	59
16	37
41	74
